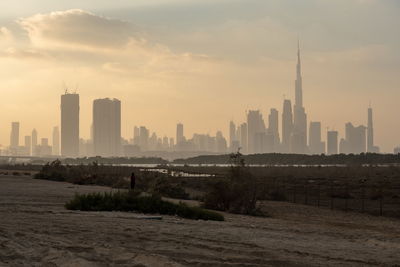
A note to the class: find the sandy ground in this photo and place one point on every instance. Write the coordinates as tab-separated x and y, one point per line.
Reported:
36	230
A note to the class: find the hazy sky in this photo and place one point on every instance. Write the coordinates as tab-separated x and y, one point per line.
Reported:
200	62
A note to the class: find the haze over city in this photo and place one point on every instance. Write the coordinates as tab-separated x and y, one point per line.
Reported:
189	62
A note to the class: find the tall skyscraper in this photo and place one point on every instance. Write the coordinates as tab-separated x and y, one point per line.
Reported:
243	138
355	141
232	135
34	142
299	140
316	146
56	141
14	137
287	125
255	125
332	142
179	134
70	125
273	128
371	148
28	145
107	127
144	135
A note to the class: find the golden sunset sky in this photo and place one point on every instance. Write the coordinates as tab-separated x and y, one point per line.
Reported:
202	63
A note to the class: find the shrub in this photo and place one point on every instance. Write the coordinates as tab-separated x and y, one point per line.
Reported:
163	187
236	193
129	201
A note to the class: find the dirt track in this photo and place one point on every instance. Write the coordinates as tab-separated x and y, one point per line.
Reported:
35	229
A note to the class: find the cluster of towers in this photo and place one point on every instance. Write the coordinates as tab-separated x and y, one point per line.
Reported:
254	136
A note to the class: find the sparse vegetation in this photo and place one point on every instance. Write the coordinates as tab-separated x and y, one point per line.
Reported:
128	201
238	192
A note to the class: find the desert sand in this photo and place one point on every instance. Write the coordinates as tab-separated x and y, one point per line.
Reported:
36	230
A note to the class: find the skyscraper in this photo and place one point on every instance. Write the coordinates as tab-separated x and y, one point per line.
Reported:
14	137
371	148
299	140
273	128
355	141
232	136
70	125
28	145
332	142
287	125
107	127
56	141
243	138
255	125
179	134
316	146
34	142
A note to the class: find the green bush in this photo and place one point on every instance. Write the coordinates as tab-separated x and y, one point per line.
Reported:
129	201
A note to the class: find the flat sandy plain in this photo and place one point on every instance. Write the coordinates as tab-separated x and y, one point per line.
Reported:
36	230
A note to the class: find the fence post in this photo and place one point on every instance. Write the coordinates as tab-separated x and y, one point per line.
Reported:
346	195
306	194
381	201
332	195
319	195
362	197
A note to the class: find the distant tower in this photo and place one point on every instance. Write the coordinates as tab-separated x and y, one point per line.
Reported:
56	141
287	125
273	127
332	142
70	125
232	135
34	142
107	127
255	128
299	139
179	133
243	138
316	145
14	137
28	145
370	132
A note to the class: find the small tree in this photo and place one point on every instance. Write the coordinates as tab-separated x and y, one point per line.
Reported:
238	192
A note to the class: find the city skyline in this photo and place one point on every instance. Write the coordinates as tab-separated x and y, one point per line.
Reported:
253	136
200	69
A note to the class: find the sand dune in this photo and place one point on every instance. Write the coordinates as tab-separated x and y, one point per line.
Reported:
36	230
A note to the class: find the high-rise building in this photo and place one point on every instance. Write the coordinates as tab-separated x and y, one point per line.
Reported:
28	145
70	125
371	148
255	125
332	142
56	141
179	134
136	135
273	129
287	125
355	141
144	135
34	142
107	127
316	146
14	137
243	138
299	140
232	136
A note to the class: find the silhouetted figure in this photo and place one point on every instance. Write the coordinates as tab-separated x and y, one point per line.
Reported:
133	181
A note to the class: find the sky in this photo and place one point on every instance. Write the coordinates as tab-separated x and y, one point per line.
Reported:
200	62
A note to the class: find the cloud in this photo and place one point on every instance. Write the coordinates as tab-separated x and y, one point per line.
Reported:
77	28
